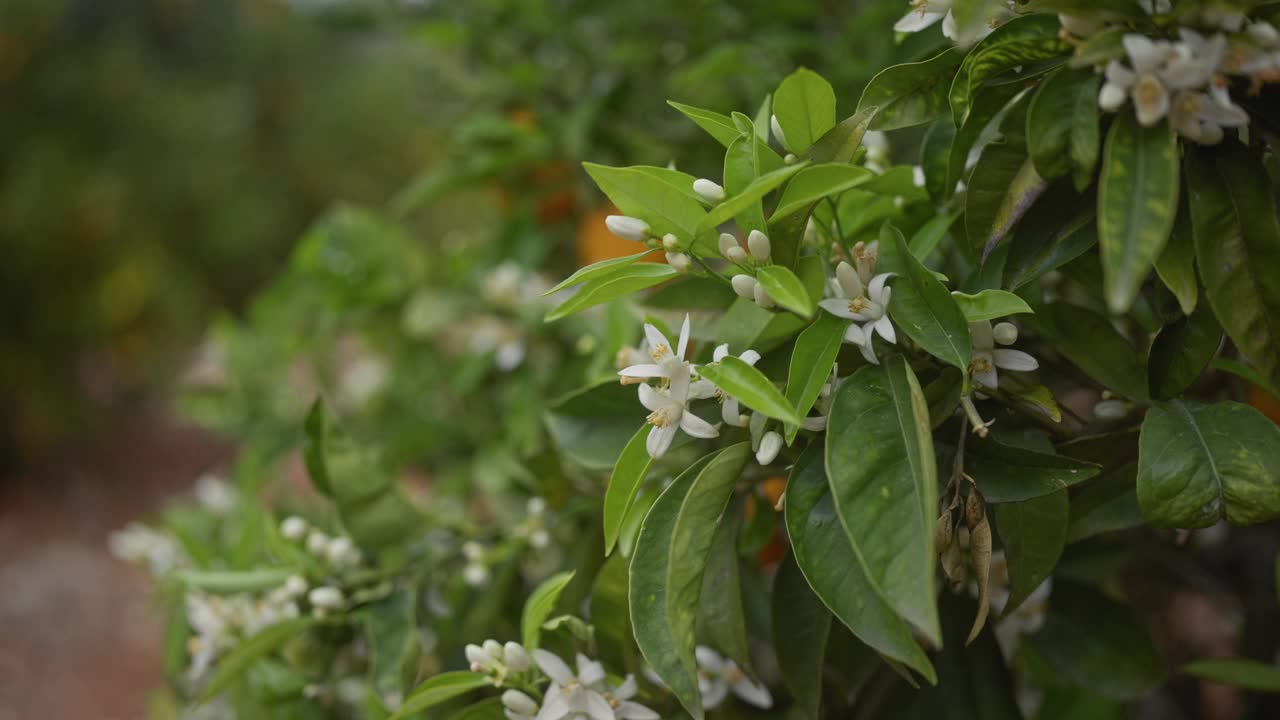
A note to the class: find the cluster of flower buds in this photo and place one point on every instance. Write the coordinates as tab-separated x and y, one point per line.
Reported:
637	230
339	552
476	571
757	253
500	662
534	526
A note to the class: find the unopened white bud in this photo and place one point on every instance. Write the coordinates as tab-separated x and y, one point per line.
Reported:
325	597
762	297
727	243
1111	97
770	444
472	550
708	190
1005	333
516	657
539	539
744	285
519	703
758	242
293	528
679	261
295	586
777	130
475	575
477	656
1111	410
341	552
493	649
627	227
670	241
1080	26
736	255
1264	33
535	506
317	542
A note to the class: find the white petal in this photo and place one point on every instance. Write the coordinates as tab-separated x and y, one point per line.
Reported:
721	352
744	285
885	328
554	705
869	353
762	297
652	399
710	660
876	290
855	335
850	283
750	357
1014	360
817	423
597	707
697	427
1119	75
658	344
713	693
838	307
644	370
590	672
1150	100
659	440
627	689
916	21
553	666
770	445
1145	54
701	390
981	336
628	710
753	693
678	387
730	414
684	337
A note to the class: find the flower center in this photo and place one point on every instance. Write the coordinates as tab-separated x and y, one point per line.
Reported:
981	364
661	352
1148	90
859	304
662	416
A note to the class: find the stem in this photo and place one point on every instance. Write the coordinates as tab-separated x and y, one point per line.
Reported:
979	425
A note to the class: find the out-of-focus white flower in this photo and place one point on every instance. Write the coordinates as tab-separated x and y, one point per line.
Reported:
986	357
586	695
628	228
515	656
475	575
1155	7
326	597
877	145
1080	25
341	552
293	528
215	494
519	705
362	379
718	676
1112	410
317	543
138	543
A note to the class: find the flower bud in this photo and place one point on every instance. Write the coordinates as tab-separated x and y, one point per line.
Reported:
1264	33
777	130
758	242
341	551
679	261
477	656
744	285
1005	333
535	506
325	597
472	550
708	190
1111	410
293	528
317	542
770	444
628	228
790	159
727	243
670	241
475	575
736	255
1111	97
1080	26
516	657
295	586
519	703
493	649
539	539
762	297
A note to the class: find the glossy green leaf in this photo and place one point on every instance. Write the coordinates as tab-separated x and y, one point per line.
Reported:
655	200
718	126
990	304
394	646
592	425
1237	242
1091	343
801	624
249	650
840	144
621	281
883	476
1005	473
442	687
1137	203
1020	41
740	170
912	93
735	377
921	306
815	183
667	567
805	106
721	620
926	239
538	607
1244	372
1109	504
627	475
315	430
1003	186
746	325
811	362
1033	533
1239	672
974	681
1181	351
743	201
991	104
786	289
596	270
1091	642
1059	228
611	615
1198	464
1062	125
837	573
234	581
1176	266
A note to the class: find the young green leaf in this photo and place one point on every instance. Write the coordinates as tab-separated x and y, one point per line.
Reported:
883	476
1239	672
1198	464
801	624
1137	203
912	93
735	377
841	143
721	127
667	567
930	234
539	606
651	198
805	106
442	687
740	170
251	649
1033	533
1005	473
990	304
743	201
786	289
627	475
596	270
815	183
1181	351
811	362
234	581
1062	125
921	306
621	281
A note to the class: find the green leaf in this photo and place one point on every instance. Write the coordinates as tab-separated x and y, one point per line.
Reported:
1059	228
438	689
910	94
1181	351
721	620
840	144
315	432
1244	372
991	104
720	127
1176	266
667	567
805	106
815	183
1021	41
1003	186
1108	504
930	234
882	471
234	581
1033	533
596	270
1062	125
250	650
1091	343
801	624
539	606
1005	473
974	681
487	709
394	647
621	281
1240	672
651	198
990	304
1198	464
921	306
1237	240
743	201
839	574
1137	203
740	170
735	377
611	616
592	425
1093	643
786	289
627	475
811	362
